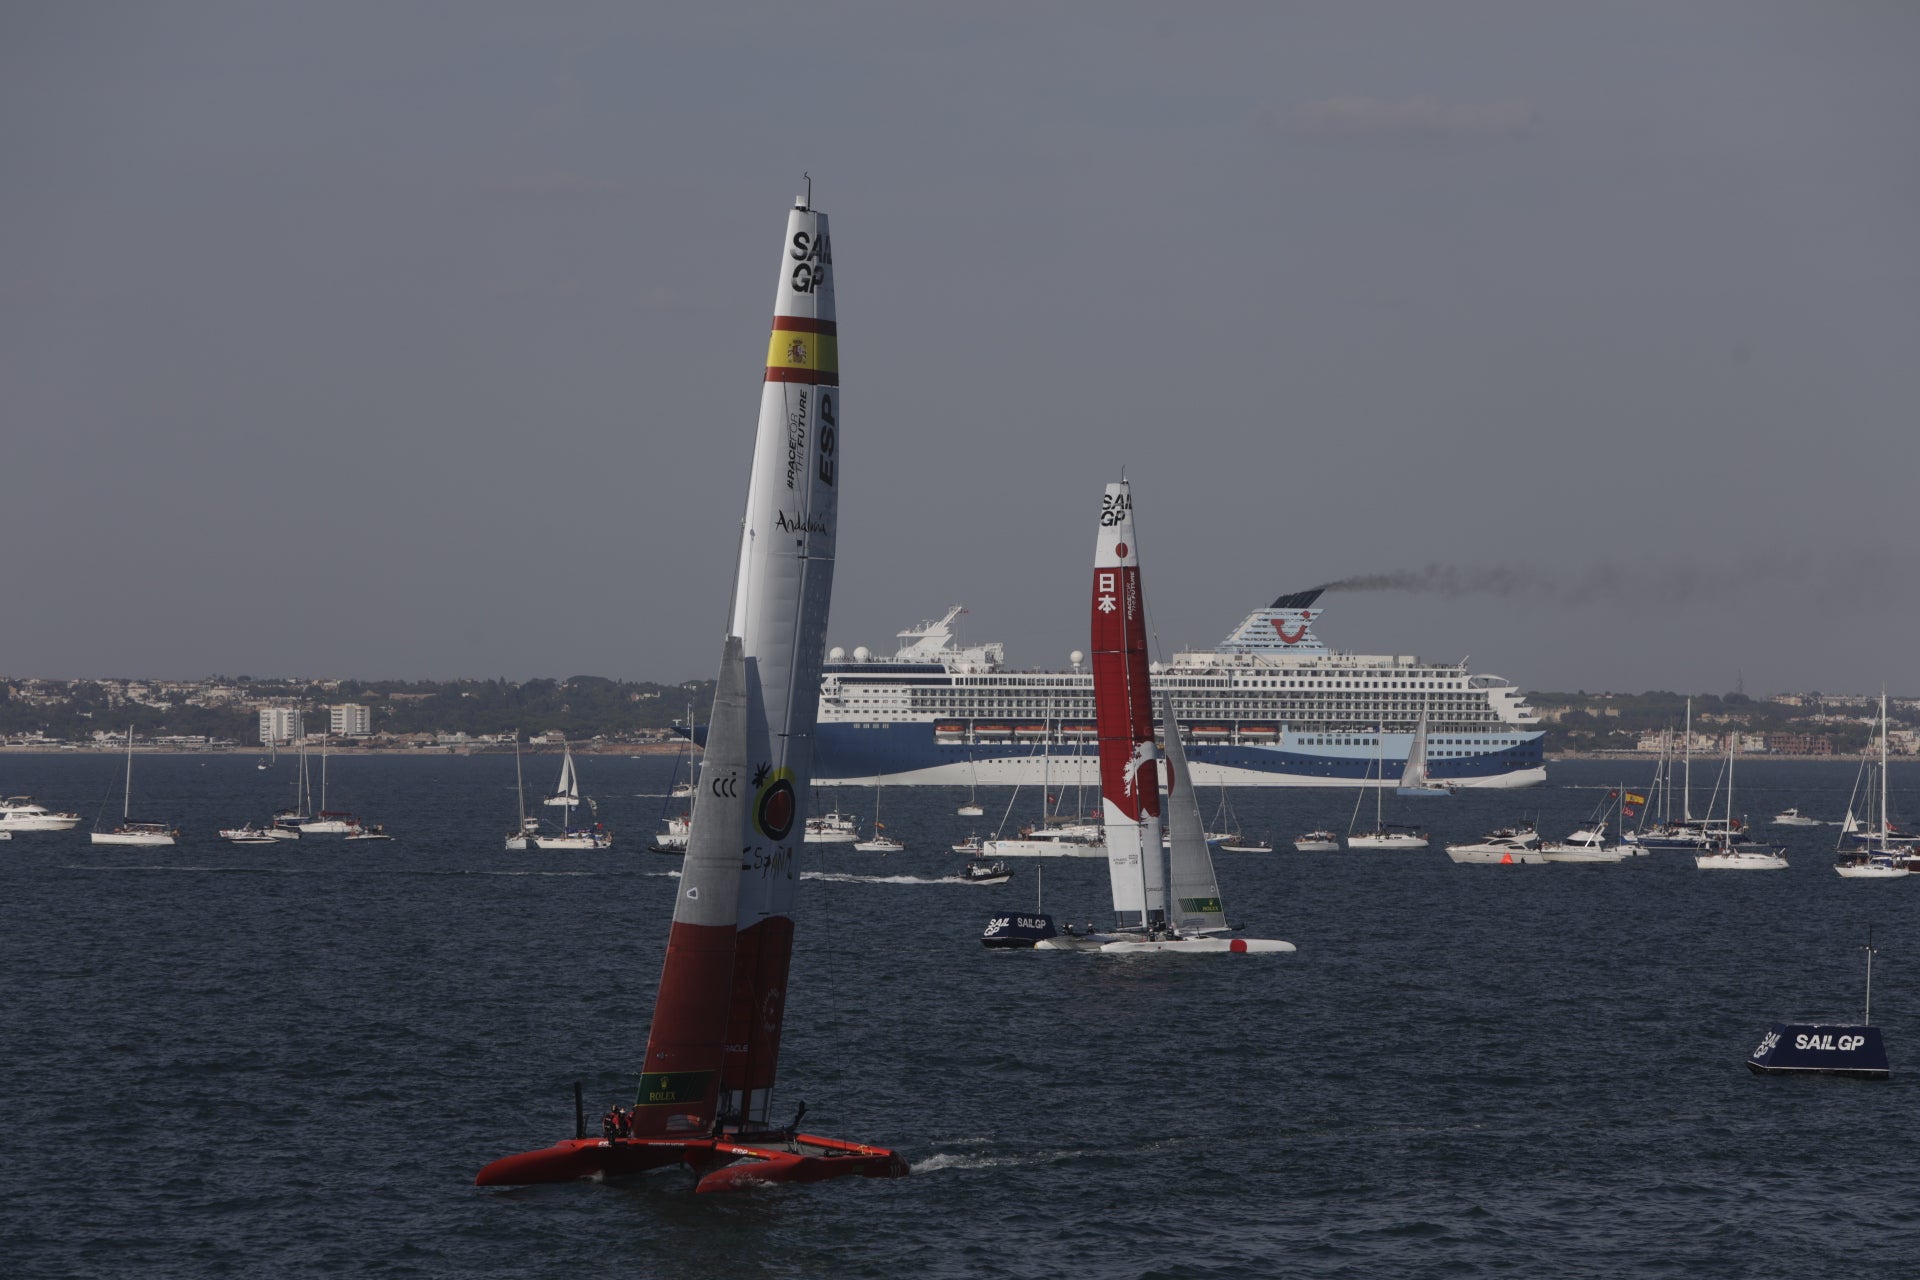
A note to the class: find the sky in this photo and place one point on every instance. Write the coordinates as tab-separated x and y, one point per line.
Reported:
425	340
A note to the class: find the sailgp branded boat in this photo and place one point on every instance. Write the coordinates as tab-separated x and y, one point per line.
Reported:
1166	895
705	1096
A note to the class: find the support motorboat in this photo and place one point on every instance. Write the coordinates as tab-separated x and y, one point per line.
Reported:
20	813
1518	844
1317	842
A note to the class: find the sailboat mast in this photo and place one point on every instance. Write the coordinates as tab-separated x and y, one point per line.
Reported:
126	790
1885	843
1686	793
782	587
519	782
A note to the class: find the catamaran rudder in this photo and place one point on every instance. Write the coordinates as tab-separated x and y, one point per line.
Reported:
706	1085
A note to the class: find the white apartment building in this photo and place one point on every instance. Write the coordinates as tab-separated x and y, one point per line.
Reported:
351	720
282	724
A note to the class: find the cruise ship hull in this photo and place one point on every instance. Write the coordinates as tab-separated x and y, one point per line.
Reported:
910	755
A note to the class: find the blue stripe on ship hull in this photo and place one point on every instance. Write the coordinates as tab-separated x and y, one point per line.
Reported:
859	754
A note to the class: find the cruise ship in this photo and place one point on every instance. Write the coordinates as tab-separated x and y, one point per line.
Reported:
1272	706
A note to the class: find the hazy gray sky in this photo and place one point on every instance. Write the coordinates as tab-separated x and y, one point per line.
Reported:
426	339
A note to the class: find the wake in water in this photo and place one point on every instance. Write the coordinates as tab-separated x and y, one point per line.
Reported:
842	877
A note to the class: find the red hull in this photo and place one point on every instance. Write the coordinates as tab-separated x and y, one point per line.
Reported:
723	1165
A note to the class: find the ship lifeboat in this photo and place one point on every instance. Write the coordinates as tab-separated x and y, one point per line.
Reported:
996	731
947	733
1258	731
1031	731
1208	731
1077	730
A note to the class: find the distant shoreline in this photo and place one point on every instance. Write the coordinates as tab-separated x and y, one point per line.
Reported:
476	749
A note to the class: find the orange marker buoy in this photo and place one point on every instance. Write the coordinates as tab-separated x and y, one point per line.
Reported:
1505	859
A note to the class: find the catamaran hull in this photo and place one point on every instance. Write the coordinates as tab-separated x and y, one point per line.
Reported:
1200	946
722	1165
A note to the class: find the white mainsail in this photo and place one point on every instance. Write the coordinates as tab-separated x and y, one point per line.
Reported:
1194	895
567	791
1415	774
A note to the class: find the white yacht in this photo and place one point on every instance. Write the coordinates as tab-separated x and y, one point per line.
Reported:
1516	844
832	828
674	839
1317	842
1725	850
1794	818
20	813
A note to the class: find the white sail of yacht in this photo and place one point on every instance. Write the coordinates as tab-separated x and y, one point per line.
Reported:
566	793
1413	779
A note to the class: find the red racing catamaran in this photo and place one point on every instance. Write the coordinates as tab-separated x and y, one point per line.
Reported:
706	1084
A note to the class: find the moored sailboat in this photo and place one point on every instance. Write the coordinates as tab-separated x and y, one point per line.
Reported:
129	831
706	1090
1882	859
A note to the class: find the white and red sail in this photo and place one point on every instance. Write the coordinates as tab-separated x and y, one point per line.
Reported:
680	1075
1123	718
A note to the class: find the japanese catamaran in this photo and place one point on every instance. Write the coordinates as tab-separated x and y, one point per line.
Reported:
705	1099
1166	898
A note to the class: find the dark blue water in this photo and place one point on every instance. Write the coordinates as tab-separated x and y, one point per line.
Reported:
220	1060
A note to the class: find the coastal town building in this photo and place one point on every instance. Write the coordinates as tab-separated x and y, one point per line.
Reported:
282	725
351	720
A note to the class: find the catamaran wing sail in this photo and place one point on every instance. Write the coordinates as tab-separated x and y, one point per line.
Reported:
780	598
1194	889
680	1081
715	1041
1123	718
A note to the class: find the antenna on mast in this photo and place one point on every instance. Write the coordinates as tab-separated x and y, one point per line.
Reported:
806	201
1867	1018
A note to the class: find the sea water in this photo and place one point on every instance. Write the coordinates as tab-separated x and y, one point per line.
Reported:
291	1060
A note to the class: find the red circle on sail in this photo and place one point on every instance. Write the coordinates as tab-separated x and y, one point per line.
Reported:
1238	946
1120	549
775	816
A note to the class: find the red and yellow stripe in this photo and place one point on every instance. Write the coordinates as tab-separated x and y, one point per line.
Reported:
804	350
